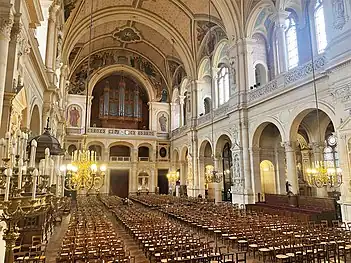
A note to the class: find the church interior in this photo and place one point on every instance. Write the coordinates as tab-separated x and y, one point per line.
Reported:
184	131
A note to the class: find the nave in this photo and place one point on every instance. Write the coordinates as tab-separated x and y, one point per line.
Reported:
156	228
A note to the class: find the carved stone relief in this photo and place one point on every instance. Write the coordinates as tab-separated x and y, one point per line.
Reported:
339	14
127	35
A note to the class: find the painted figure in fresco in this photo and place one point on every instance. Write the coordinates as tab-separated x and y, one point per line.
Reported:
74	116
163	123
164	95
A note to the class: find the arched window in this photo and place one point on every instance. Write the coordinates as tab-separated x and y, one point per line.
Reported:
319	25
291	41
223	85
207	104
260	75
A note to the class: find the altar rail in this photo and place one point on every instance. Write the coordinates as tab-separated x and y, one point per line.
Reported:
307	208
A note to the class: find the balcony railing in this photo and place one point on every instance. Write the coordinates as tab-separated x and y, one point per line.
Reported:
107	131
144	159
119	158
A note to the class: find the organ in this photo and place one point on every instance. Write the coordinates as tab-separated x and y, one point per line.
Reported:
120	103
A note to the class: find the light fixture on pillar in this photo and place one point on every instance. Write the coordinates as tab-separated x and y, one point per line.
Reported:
83	173
322	173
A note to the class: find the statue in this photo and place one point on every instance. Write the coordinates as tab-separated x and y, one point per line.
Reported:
74	116
163	123
164	95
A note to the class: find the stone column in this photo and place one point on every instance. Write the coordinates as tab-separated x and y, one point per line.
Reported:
280	177
182	173
181	102
201	171
50	58
255	170
6	113
6	22
291	165
280	27
152	183
246	157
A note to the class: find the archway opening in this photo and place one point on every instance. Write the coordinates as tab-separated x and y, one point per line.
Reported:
35	122
98	150
144	154
119	153
267	173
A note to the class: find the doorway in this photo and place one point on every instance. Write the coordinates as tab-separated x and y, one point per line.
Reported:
162	182
119	183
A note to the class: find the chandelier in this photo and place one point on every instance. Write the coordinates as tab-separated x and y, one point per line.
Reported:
323	174
211	175
173	177
83	172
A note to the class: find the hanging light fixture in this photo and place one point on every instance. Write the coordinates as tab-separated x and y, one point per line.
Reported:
83	172
322	173
211	174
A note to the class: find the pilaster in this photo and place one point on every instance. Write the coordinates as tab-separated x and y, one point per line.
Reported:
291	165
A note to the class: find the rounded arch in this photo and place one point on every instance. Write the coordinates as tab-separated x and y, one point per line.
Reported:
204	68
261	73
96	143
184	153
117	13
107	71
184	85
220	56
296	119
203	145
258	129
254	14
175	155
35	121
221	141
121	143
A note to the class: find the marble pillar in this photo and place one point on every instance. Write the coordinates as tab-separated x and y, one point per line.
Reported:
255	171
291	166
181	117
280	27
318	156
6	22
50	57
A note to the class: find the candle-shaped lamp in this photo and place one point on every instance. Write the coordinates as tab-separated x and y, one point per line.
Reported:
33	150
34	186
8	183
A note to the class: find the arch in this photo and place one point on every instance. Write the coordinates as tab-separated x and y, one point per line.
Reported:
267	174
204	68
254	14
220	56
117	13
261	73
202	147
175	95
184	85
184	153
207	105
309	107
175	155
71	148
35	121
221	141
121	143
105	72
258	129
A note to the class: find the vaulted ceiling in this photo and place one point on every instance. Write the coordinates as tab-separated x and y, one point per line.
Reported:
169	35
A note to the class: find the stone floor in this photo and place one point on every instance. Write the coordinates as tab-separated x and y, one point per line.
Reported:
55	240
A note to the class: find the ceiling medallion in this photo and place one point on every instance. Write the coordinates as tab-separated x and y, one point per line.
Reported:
127	35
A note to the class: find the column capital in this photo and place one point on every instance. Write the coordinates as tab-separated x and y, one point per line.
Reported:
6	24
316	146
280	17
289	146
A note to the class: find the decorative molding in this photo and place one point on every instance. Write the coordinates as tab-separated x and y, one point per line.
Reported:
6	24
127	35
304	70
268	88
343	93
339	14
